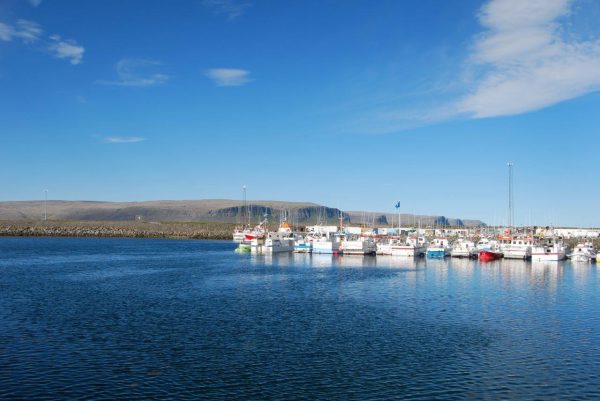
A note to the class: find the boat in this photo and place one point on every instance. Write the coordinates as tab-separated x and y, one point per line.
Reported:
303	244
359	245
385	247
414	246
438	249
515	247
278	241
329	243
239	234
549	249
488	250
583	252
487	255
463	248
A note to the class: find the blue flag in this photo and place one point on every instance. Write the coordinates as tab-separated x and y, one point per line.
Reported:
398	205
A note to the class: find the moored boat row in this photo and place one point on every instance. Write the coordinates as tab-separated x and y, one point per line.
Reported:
260	240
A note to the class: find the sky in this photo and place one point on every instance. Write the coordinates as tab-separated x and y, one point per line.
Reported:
350	104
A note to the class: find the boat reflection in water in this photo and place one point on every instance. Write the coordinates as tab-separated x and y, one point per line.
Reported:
509	271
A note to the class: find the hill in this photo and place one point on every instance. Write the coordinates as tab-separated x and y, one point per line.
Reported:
209	210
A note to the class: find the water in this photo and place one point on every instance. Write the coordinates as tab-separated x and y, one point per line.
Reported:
162	319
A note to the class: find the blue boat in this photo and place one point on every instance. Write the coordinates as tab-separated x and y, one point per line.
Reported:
438	249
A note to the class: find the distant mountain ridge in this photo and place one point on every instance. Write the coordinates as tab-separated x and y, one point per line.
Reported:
217	210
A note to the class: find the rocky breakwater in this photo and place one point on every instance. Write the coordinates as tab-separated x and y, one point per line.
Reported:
116	229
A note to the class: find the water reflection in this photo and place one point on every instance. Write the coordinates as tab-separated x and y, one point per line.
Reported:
214	324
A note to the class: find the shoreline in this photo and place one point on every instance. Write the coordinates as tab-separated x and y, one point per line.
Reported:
117	229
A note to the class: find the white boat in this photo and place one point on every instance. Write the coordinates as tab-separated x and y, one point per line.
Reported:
329	243
385	247
359	245
516	247
414	246
549	249
463	248
584	252
239	234
304	244
279	241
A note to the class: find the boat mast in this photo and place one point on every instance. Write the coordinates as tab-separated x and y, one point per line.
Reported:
510	195
398	210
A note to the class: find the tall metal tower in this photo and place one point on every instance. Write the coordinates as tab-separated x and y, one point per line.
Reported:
511	212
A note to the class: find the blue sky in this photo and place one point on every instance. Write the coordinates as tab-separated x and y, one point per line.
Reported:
352	104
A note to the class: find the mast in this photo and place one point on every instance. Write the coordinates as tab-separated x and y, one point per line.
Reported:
510	195
399	224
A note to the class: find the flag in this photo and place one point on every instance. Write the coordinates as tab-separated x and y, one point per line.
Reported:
398	205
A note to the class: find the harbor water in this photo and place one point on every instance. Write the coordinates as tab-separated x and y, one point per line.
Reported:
105	319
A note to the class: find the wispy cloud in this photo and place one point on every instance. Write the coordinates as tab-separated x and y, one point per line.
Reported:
124	139
27	31
137	72
526	60
35	3
66	48
30	32
528	56
228	76
230	8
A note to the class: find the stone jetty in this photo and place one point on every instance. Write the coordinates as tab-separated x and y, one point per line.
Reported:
116	229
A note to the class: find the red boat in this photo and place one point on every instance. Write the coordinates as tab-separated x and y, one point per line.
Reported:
489	255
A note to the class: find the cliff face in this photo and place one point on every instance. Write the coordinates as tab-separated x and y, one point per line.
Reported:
226	211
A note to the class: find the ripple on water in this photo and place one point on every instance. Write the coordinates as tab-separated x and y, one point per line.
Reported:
212	324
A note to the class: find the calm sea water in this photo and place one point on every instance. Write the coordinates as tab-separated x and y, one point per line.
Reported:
161	319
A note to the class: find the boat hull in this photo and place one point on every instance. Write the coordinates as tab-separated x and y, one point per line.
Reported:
302	248
406	251
488	256
326	247
580	257
547	256
436	253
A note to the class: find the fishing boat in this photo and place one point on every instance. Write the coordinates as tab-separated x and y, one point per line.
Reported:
279	241
488	250
385	247
438	249
329	243
239	234
584	252
359	245
463	248
413	247
515	247
549	249
487	255
303	244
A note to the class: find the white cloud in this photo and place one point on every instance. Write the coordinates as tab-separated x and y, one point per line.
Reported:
230	8
525	60
6	32
67	49
27	31
35	3
137	72
124	139
228	76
